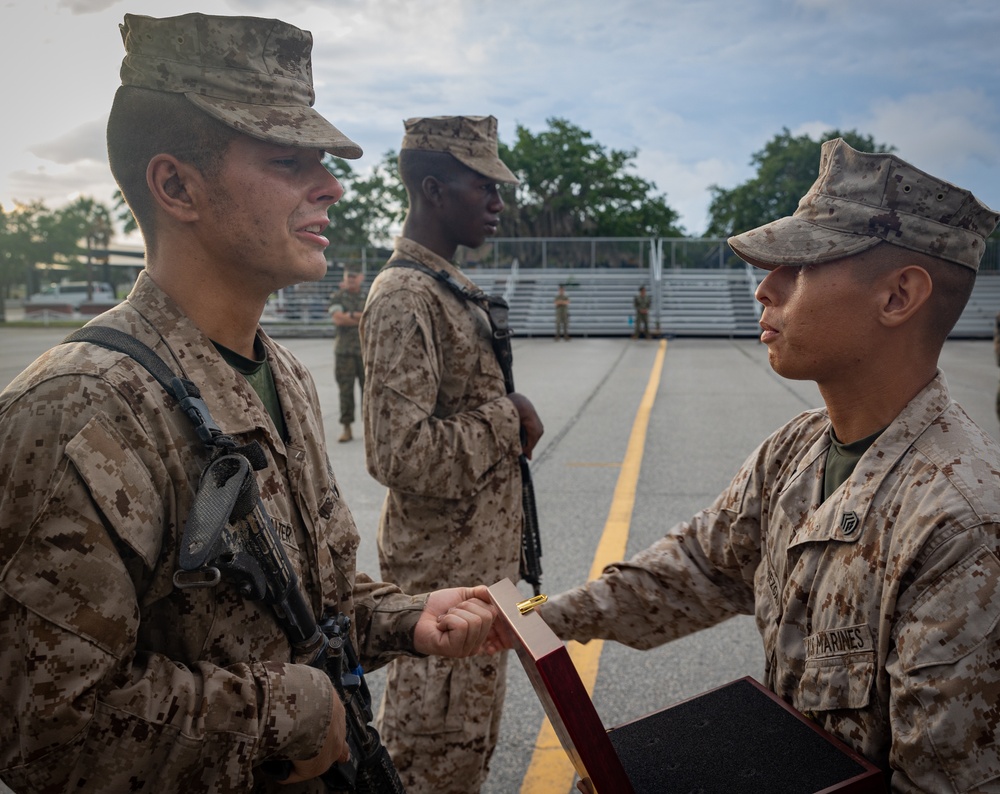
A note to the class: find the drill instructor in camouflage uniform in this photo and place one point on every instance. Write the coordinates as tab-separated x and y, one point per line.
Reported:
442	434
864	536
345	310
114	679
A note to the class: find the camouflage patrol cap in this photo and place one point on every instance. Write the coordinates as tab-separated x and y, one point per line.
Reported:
472	140
861	199
252	74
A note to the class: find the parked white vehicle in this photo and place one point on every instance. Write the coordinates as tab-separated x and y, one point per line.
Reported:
74	294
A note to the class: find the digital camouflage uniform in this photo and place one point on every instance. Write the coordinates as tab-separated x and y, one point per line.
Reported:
879	608
115	680
641	302
562	315
441	435
348	365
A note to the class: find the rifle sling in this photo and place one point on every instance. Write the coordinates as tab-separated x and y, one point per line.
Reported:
497	310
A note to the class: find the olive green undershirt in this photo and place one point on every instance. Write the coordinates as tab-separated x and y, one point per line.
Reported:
841	460
258	375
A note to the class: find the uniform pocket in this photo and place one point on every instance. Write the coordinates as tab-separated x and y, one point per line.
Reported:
120	485
838	683
425	696
954	616
839	670
70	570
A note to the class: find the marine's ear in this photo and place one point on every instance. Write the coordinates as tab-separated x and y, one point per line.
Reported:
431	189
174	186
902	293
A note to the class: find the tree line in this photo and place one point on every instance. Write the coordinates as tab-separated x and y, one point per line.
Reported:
570	186
72	237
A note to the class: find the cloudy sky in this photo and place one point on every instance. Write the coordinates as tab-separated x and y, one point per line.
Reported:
696	86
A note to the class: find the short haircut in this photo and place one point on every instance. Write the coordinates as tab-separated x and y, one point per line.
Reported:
144	123
417	164
952	283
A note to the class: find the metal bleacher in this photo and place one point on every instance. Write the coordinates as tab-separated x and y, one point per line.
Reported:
980	312
691	302
705	302
600	301
708	303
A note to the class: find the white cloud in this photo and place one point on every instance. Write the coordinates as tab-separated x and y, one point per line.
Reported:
954	135
56	185
85	142
86	6
941	127
696	86
685	184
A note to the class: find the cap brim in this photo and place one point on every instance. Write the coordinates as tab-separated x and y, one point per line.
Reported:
492	167
290	125
794	242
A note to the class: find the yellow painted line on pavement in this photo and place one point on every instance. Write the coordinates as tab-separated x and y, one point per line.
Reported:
550	769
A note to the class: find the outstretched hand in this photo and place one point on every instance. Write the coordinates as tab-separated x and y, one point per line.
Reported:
456	622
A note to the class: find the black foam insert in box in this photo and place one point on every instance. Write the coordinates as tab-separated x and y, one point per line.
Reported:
738	739
732	739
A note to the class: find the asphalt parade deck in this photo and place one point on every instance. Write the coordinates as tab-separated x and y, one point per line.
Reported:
713	402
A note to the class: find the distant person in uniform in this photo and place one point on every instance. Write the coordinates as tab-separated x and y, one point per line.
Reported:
444	436
114	679
641	303
562	313
345	310
863	536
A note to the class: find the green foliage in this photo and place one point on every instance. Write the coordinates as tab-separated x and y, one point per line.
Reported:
31	234
786	168
371	206
573	186
124	214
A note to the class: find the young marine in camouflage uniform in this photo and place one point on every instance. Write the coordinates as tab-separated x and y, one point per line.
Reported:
443	435
113	678
346	305
864	536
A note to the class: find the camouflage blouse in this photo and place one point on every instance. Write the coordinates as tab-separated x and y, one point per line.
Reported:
879	608
439	431
113	678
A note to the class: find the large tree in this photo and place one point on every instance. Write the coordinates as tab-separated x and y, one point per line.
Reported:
31	234
89	222
123	214
573	186
786	168
372	205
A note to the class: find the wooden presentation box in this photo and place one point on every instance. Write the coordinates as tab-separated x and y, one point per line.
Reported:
737	739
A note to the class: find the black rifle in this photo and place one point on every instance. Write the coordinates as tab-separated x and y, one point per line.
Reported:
498	311
229	533
531	537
